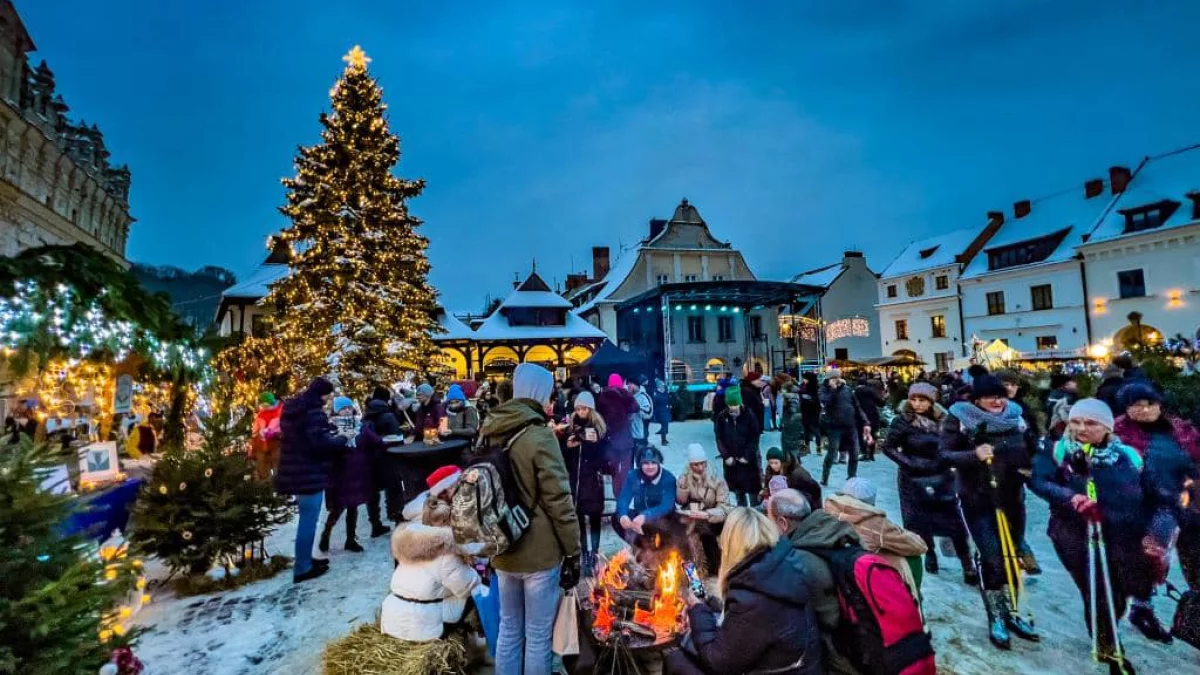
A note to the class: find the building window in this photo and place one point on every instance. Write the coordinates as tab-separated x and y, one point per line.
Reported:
689	277
942	361
756	331
1047	342
1042	296
942	282
725	329
841	354
995	303
663	279
938	325
1149	217
695	329
901	329
257	326
892	291
1025	252
718	277
1132	283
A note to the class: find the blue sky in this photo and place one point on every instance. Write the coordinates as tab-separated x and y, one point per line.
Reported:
798	129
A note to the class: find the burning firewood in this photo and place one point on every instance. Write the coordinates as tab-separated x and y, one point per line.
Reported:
635	629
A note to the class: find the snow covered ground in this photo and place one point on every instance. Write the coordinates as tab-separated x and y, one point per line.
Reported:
277	627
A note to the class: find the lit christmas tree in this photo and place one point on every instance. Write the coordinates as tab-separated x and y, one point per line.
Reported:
357	303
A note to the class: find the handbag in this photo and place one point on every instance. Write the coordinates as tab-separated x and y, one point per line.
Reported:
566	626
935	489
1186	625
487	603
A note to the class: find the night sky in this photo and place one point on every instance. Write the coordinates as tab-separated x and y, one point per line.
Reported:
798	131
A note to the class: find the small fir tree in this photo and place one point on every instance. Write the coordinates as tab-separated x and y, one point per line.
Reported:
357	302
205	505
56	593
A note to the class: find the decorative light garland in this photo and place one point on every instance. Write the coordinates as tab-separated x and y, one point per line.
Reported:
847	328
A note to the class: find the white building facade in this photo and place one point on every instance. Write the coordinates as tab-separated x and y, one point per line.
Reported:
846	307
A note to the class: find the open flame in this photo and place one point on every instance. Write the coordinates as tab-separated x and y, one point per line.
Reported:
664	616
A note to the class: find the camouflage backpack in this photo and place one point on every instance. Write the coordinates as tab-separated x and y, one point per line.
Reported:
486	512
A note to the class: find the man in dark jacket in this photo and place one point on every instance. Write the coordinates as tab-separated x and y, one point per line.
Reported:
308	444
871	400
646	504
751	388
382	421
547	558
811	530
845	423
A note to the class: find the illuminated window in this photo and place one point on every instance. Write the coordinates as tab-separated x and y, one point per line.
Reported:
1047	342
938	325
901	329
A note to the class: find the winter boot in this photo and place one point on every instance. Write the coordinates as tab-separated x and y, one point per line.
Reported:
994	601
1027	560
1142	616
378	530
1117	665
970	574
931	562
1017	624
352	546
323	545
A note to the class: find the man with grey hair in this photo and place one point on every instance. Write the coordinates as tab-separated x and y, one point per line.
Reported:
531	572
808	530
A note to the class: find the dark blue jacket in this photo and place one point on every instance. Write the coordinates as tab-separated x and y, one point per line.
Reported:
642	496
308	445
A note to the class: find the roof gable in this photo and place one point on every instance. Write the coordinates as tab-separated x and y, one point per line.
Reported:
1160	180
685	229
925	254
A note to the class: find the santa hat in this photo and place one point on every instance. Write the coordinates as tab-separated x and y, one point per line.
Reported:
443	479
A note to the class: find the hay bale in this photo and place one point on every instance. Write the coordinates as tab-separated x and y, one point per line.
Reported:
367	651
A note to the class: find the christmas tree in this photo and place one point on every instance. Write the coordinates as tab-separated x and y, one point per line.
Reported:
57	594
357	303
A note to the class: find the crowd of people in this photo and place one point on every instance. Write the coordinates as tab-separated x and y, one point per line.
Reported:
580	458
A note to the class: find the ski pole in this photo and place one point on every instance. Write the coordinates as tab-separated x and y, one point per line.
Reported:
1108	594
1093	589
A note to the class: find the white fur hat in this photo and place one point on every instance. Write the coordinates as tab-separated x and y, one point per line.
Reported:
696	453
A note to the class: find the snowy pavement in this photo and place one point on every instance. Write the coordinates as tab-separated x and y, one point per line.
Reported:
276	627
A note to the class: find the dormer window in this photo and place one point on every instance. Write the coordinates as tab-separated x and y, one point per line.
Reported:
1148	217
925	253
1026	252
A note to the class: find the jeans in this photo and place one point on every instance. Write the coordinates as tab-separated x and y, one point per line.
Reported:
528	606
844	439
306	530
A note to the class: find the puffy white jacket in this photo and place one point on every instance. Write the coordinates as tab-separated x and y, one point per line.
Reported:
430	586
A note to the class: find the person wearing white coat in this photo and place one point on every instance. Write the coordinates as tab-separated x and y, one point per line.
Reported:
430	585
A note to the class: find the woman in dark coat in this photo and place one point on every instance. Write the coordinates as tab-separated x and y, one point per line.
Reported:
308	445
752	387
738	432
768	624
871	399
583	450
927	499
793	439
385	478
615	404
350	482
780	463
662	409
1090	476
810	409
985	441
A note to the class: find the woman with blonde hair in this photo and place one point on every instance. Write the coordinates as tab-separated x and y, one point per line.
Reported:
766	624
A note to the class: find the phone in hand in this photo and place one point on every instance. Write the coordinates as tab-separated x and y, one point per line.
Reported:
694	581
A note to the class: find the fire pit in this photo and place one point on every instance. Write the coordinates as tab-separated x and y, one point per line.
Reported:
637	609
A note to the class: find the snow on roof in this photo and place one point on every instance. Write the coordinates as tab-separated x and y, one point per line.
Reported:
535	299
613	280
1046	217
454	328
258	283
1166	177
933	252
822	277
496	327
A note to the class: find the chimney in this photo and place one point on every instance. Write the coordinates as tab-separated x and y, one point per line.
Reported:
576	280
656	226
600	262
995	218
1022	208
1195	197
1093	188
1118	178
853	258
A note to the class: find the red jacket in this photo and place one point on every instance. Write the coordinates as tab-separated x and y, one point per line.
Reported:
265	431
1184	432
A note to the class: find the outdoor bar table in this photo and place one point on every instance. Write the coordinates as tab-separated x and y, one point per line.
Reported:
408	464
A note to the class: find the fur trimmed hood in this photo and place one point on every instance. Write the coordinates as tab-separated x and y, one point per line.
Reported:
417	542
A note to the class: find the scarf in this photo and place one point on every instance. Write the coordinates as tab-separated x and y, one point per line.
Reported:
972	416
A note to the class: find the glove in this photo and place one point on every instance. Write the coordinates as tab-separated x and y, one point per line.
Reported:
568	576
1085	507
1158	558
729	461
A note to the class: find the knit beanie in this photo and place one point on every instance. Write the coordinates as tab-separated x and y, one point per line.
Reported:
833	374
267	397
775	453
586	400
650	454
615	381
381	394
733	396
696	453
924	390
1092	409
1008	376
860	488
987	385
442	479
319	387
340	403
455	393
425	389
533	382
1139	391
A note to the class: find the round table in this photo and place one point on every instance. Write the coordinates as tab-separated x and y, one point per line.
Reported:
408	465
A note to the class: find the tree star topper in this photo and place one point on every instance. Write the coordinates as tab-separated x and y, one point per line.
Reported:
357	58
